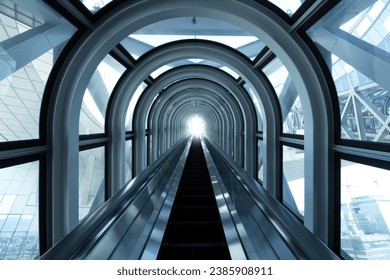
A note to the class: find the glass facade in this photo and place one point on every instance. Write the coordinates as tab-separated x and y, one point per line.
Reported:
20	100
15	20
128	161
97	94
19	229
294	179
31	39
23	77
290	103
356	49
91	177
365	211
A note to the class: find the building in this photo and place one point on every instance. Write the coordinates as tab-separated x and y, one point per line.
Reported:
294	92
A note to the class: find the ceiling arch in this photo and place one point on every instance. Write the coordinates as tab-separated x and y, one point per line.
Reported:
179	94
240	96
187	49
182	89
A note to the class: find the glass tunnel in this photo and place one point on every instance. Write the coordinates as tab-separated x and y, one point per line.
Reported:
128	126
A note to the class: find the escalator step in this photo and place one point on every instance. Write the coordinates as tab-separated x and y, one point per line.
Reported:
187	189
211	251
195	213
195	199
194	230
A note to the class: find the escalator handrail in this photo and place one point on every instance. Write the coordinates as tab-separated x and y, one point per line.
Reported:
97	223
299	238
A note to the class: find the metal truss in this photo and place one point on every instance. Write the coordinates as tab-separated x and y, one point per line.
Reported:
365	113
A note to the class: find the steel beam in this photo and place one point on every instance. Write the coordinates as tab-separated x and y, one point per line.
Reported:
22	49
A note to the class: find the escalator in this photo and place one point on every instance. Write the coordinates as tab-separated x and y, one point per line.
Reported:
172	210
194	230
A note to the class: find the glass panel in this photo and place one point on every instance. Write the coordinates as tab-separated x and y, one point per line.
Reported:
293	179
230	71
138	44
354	41
128	160
290	103
10	26
240	43
277	74
183	28
294	122
23	77
161	70
91	180
289	7
97	94
260	159
19	229
95	5
365	211
371	24
133	102
256	103
190	61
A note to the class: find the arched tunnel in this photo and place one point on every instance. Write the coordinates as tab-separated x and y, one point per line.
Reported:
194	129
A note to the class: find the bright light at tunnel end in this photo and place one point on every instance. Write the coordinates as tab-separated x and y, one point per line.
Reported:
196	126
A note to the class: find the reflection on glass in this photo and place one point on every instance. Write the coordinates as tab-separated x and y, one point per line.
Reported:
289	7
293	179
365	211
95	5
290	103
19	233
95	101
199	28
23	77
128	160
91	181
355	42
